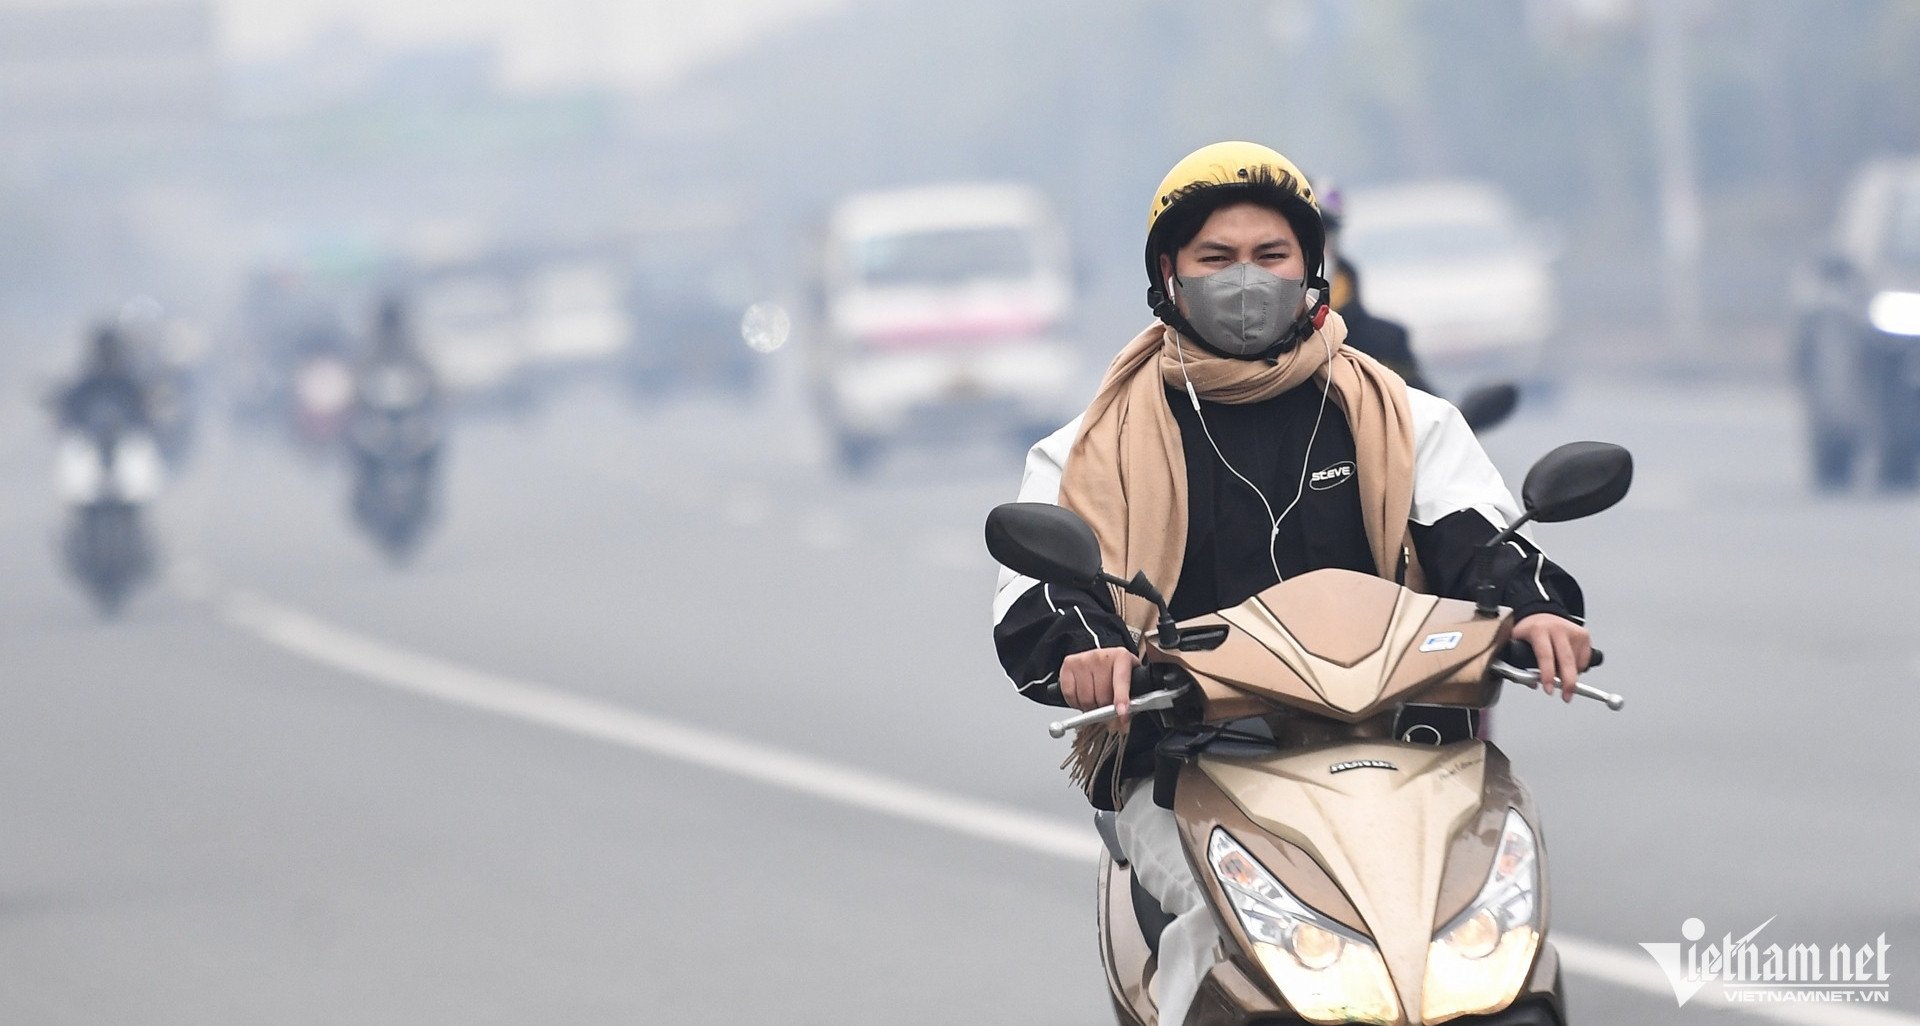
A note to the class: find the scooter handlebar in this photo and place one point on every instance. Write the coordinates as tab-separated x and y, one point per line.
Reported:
1520	654
1531	678
1141	701
1514	666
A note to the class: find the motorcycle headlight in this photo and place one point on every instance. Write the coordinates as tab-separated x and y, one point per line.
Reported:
1327	972
1478	962
1896	313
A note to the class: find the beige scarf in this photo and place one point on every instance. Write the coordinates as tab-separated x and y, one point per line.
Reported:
1127	475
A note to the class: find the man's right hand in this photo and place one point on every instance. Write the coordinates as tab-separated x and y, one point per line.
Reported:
1099	677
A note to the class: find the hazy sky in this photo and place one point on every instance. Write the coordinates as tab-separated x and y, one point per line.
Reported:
540	41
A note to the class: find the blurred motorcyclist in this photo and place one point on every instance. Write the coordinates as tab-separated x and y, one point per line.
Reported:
395	432
1382	339
396	394
1193	465
109	398
107	468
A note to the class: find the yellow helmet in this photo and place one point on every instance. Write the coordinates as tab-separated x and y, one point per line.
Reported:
1227	163
1214	176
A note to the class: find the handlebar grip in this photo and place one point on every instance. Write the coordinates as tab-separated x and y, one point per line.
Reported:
1519	653
1142	683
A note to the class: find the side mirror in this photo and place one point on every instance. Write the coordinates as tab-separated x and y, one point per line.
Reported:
1488	406
1577	480
1045	542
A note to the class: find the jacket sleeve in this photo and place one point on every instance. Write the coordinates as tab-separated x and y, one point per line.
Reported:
1037	626
1460	503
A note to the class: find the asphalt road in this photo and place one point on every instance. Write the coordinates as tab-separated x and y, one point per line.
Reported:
294	785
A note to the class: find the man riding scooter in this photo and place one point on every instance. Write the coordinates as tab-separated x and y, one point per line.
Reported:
109	468
394	430
1238	442
109	397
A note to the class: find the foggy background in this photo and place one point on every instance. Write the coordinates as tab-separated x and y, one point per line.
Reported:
214	806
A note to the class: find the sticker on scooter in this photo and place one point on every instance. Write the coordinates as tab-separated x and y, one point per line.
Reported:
1354	764
1445	641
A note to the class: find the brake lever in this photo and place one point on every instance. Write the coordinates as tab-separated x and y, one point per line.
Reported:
1152	701
1531	678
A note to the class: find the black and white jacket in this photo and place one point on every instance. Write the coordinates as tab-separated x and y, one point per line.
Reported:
1297	450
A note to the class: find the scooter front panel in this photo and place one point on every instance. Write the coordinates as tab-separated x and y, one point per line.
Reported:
1379	818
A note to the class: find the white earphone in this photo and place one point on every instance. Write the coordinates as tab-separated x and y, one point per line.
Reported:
1306	459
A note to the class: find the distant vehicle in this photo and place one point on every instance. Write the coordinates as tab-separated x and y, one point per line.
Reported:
576	317
395	435
944	309
107	480
1859	332
322	391
289	366
500	325
109	469
469	326
1454	263
685	307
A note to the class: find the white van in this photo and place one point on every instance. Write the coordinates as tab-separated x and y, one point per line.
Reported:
944	309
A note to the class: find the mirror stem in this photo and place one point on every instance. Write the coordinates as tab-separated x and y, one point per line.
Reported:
1140	587
1486	592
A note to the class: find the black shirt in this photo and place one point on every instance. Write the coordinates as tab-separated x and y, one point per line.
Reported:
1228	527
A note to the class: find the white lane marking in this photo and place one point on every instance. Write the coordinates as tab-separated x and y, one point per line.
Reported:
402	669
420	674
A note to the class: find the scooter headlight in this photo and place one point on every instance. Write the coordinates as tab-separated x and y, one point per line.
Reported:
1478	962
1328	972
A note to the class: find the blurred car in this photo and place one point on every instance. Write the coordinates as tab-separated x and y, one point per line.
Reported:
685	305
944	309
1455	264
576	316
469	326
1859	332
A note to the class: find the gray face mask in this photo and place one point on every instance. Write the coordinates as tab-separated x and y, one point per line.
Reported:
1242	310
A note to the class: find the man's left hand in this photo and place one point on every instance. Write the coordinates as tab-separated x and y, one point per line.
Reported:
1561	648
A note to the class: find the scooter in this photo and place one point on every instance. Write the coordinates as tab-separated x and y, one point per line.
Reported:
106	482
1367	858
396	452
